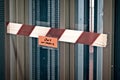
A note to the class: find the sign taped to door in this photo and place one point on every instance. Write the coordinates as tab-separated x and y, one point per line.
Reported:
48	41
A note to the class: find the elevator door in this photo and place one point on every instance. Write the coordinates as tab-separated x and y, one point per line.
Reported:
68	61
30	61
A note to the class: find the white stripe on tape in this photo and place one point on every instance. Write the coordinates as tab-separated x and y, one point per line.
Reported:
101	40
39	31
70	36
13	28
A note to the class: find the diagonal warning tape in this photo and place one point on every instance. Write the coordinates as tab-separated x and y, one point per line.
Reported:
63	35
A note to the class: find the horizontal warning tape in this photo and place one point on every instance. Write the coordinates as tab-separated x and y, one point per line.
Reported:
63	35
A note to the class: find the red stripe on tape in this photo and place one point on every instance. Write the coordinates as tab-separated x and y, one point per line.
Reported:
87	38
25	30
7	23
56	33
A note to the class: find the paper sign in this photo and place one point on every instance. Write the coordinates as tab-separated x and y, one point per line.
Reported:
48	41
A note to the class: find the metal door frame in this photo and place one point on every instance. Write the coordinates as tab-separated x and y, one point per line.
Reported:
108	27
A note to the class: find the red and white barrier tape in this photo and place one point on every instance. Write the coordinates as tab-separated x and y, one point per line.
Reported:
64	35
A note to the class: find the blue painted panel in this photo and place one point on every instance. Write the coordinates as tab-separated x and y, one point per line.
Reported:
117	41
2	41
